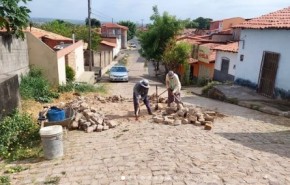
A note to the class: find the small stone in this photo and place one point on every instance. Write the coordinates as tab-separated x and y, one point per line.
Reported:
78	116
168	121
100	120
198	123
84	106
181	113
106	127
210	113
112	123
75	125
192	119
208	126
94	109
170	110
91	128
177	122
185	121
158	119
208	117
100	128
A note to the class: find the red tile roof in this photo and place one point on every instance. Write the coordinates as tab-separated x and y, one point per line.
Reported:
275	20
210	45
109	43
38	33
231	47
113	25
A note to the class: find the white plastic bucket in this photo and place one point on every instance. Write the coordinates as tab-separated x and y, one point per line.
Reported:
52	142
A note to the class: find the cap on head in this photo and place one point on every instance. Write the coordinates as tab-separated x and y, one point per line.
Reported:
170	74
145	83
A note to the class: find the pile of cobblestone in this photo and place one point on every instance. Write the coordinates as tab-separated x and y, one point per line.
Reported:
88	117
178	114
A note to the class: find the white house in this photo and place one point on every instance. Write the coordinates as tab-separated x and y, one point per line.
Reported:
263	54
225	62
52	53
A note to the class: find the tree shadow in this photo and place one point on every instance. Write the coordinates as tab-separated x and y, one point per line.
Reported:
273	142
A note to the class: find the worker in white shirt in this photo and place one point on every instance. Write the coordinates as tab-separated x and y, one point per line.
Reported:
173	86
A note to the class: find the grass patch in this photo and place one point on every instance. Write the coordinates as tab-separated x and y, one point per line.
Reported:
35	86
232	100
5	180
19	137
52	180
15	169
208	87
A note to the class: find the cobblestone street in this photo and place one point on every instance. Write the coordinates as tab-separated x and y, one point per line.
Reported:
244	147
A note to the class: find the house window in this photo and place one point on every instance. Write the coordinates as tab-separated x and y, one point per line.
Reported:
225	65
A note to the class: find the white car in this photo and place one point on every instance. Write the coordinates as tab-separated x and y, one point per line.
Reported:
132	45
119	73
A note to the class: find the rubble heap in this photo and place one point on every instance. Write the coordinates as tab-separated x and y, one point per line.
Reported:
177	115
88	117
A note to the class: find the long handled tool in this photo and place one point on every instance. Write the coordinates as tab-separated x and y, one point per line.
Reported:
157	98
138	111
177	99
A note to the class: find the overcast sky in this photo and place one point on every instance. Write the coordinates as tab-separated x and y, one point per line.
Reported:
138	10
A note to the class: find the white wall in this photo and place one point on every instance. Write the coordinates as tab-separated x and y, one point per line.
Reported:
231	56
117	49
79	57
61	68
255	43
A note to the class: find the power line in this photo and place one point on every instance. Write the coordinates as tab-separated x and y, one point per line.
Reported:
101	13
100	16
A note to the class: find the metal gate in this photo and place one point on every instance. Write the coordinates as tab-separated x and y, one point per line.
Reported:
268	73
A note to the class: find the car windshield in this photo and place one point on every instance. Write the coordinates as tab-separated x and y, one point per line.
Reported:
118	69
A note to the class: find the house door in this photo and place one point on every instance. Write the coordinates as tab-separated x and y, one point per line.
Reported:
268	73
225	66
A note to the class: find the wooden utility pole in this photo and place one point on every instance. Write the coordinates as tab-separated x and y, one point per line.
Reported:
90	36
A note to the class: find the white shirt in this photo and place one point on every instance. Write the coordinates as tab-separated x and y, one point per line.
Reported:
173	83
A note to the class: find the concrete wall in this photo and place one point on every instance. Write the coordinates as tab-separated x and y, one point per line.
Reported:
222	76
61	71
233	61
43	57
9	94
79	61
13	56
252	45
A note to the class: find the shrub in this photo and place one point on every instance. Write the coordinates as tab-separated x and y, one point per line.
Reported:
202	81
35	86
5	180
70	74
18	136
209	86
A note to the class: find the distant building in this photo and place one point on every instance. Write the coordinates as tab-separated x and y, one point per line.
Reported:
115	30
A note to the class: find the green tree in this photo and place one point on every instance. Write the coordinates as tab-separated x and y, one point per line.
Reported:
203	23
59	26
14	18
67	29
190	23
164	28
131	28
176	54
95	23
